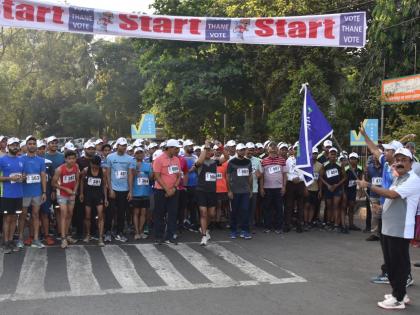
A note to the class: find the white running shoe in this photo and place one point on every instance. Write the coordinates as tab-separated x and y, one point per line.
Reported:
208	235
406	299
203	240
391	304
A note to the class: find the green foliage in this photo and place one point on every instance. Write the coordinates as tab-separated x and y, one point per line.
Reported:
80	120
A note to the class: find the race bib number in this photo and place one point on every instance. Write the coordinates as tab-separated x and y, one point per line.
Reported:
274	169
96	182
332	173
173	169
13	175
219	176
377	181
316	176
352	183
142	181
121	174
211	177
69	178
33	178
242	172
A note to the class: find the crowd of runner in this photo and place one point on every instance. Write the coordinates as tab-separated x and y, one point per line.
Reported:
121	190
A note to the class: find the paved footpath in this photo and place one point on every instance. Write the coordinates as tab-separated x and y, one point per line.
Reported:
321	272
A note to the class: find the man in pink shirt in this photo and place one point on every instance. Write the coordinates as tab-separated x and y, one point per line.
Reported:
272	189
167	171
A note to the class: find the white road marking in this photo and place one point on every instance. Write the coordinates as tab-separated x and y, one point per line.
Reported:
163	267
79	271
32	273
203	265
123	269
245	266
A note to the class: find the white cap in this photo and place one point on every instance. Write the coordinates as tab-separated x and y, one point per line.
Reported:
99	141
354	155
173	143
138	149
138	142
62	149
250	145
70	146
87	145
315	150
40	143
266	143
231	143
404	151
114	147
188	142
283	145
30	137
393	145
157	153
333	149
215	147
328	143
22	143
152	145
129	148
51	139
12	140
296	144
240	146
197	148
162	145
259	145
2	138
121	141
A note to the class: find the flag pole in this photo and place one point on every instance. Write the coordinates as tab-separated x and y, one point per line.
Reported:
351	170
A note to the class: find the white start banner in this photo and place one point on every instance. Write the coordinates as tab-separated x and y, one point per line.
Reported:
332	30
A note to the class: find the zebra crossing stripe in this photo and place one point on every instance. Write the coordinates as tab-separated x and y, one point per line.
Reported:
203	265
163	267
32	274
79	271
245	266
123	269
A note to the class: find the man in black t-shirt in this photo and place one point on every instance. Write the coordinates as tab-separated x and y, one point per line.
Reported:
239	184
206	189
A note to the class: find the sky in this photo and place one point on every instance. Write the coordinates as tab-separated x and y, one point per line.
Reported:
112	5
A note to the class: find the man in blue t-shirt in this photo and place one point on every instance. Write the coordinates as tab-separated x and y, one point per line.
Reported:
118	165
52	154
191	213
11	178
139	184
57	159
34	191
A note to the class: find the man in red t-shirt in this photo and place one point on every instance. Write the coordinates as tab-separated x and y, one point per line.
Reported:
167	172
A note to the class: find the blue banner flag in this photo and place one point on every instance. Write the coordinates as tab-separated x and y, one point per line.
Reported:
146	128
314	129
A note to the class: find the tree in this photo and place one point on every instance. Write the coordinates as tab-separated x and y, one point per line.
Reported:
80	120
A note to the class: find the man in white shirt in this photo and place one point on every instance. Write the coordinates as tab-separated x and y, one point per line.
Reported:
398	221
295	190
